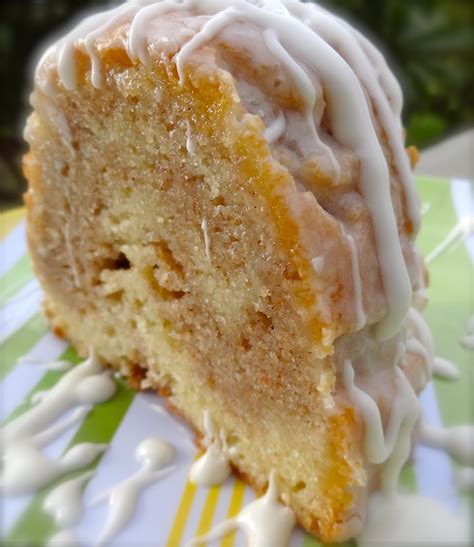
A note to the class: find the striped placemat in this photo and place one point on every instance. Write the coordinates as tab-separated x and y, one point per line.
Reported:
173	510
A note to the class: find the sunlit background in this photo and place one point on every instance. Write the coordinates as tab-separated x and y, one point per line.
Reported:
429	45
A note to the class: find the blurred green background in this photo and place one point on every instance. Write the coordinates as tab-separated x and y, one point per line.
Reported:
429	45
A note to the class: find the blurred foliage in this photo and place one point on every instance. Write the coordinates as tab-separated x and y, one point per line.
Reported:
429	45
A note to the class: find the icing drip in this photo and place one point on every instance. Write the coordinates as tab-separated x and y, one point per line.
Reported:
445	369
463	229
265	521
393	518
311	94
154	455
61	366
392	447
457	441
406	519
90	41
318	263
421	330
38	397
22	460
356	280
191	149
137	47
276	129
468	341
359	136
416	347
207	242
348	44
321	53
23	437
64	503
425	208
212	467
420	341
65	50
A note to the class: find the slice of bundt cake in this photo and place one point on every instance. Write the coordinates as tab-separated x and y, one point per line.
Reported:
220	204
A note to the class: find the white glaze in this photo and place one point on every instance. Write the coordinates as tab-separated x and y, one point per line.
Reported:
348	44
347	101
420	329
60	366
90	41
465	478
23	437
318	264
153	455
404	519
462	230
38	397
207	242
64	503
212	467
415	347
265	521
190	147
425	208
356	280
468	341
458	441
275	130
304	39
445	369
23	460
312	94
391	447
419	340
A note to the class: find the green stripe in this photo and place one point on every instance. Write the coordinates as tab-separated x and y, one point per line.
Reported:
450	292
99	426
450	300
18	343
15	279
49	379
408	478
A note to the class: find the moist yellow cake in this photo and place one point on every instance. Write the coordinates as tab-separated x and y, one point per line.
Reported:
197	216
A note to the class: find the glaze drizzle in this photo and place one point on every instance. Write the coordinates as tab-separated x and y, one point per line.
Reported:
320	52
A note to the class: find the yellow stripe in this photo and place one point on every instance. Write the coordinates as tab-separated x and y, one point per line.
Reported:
235	505
208	511
182	514
10	220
